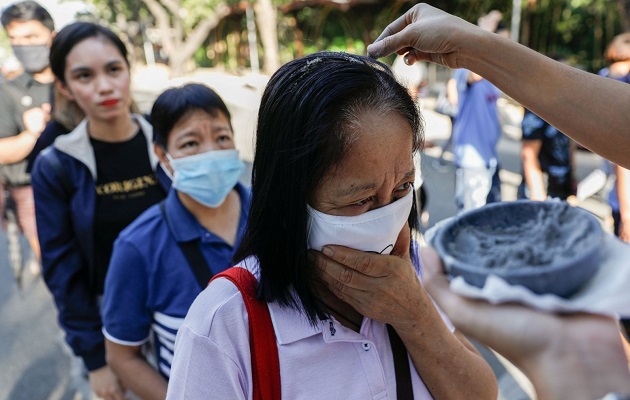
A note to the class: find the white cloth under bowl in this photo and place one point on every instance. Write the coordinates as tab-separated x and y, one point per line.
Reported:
607	292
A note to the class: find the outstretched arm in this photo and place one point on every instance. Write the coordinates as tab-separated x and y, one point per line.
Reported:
574	101
571	356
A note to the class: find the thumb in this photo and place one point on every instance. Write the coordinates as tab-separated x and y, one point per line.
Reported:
388	45
46	107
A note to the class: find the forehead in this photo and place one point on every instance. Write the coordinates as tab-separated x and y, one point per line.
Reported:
93	51
378	144
199	119
26	28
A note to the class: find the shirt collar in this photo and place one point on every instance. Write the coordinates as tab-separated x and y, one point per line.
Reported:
27	80
292	325
184	225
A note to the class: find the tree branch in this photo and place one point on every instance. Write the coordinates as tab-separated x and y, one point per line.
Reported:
173	6
163	20
200	33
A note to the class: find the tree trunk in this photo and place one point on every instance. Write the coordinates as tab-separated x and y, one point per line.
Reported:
178	46
266	19
624	13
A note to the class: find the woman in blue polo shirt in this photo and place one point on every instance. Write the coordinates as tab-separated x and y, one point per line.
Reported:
161	262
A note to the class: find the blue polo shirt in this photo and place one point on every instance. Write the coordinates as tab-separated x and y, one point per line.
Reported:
150	286
476	130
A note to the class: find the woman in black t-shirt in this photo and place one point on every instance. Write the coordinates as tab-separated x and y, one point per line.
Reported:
90	185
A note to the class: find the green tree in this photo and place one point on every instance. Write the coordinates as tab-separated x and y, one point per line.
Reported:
211	30
184	25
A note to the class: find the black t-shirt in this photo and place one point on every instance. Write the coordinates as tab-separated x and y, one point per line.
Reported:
554	156
17	96
555	150
126	186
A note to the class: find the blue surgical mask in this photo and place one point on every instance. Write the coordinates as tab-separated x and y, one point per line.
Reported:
207	177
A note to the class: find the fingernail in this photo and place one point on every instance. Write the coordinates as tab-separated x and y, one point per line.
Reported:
327	250
408	59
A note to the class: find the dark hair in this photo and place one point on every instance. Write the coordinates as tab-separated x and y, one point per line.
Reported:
307	115
27	11
73	34
175	103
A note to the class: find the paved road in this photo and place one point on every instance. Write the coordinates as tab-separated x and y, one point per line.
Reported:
32	363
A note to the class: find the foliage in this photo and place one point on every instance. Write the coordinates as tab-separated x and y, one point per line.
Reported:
578	29
5	48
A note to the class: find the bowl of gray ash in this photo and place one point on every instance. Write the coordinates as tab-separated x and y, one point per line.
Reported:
548	247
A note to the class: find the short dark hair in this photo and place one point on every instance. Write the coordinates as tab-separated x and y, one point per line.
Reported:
305	123
175	103
27	10
73	34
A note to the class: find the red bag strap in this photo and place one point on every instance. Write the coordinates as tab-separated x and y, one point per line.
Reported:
262	338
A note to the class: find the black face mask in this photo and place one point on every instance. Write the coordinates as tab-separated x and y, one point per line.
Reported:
34	58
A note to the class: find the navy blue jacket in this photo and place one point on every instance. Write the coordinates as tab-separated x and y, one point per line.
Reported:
64	209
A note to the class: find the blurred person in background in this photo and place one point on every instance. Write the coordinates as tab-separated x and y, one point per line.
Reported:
24	110
548	159
10	69
618	57
476	132
65	116
89	185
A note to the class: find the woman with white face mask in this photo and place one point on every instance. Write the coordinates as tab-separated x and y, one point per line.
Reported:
333	166
165	258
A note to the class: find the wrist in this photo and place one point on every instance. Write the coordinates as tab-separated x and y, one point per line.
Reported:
425	317
472	48
30	135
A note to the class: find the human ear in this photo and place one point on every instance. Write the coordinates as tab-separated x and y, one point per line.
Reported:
52	36
161	153
63	89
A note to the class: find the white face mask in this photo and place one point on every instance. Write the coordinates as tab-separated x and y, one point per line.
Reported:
375	231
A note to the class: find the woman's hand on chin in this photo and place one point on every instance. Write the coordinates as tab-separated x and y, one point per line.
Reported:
381	287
